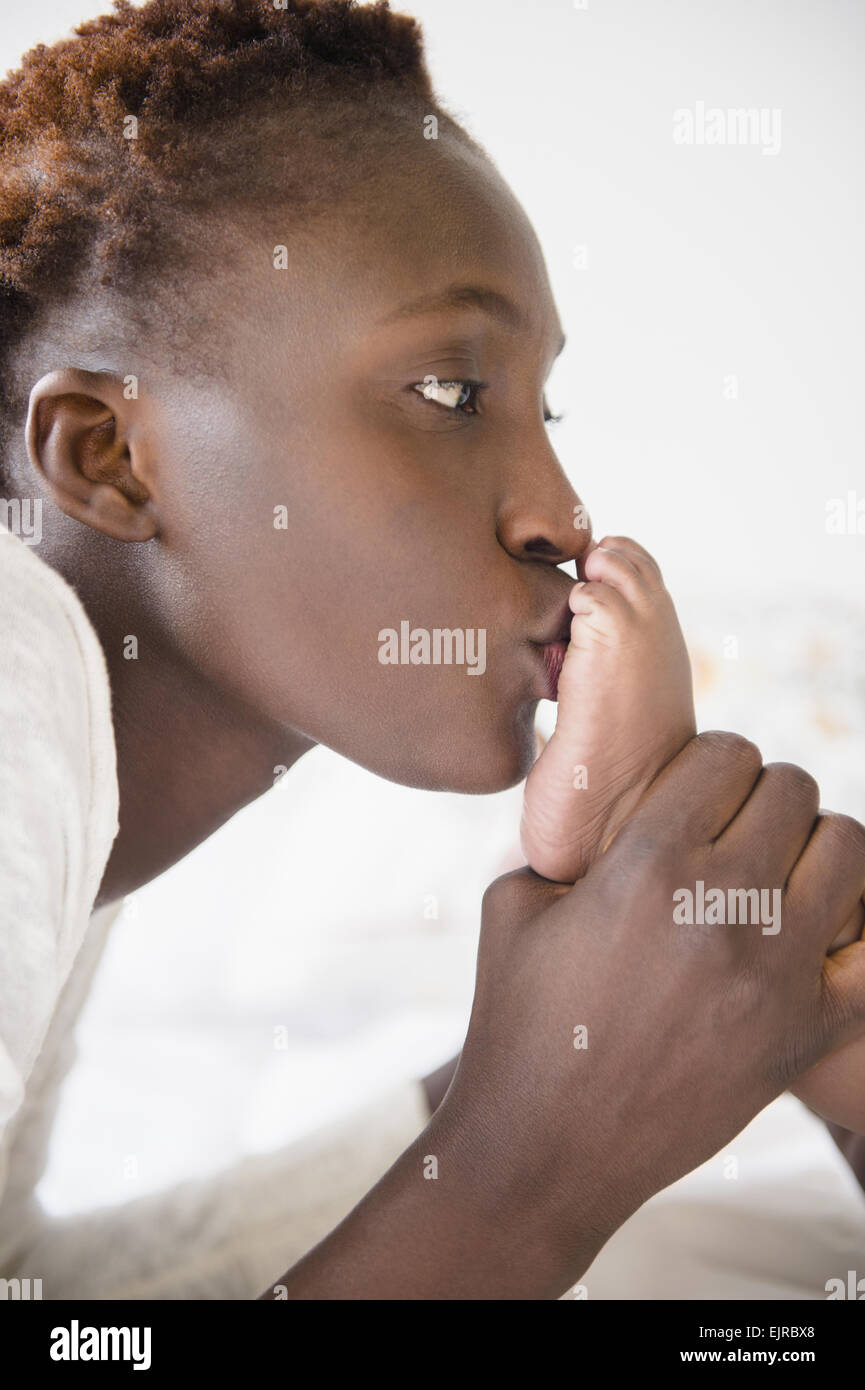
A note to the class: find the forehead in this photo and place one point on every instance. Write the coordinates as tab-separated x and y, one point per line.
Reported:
438	220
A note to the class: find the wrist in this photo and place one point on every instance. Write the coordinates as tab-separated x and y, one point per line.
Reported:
444	1223
435	1085
516	1231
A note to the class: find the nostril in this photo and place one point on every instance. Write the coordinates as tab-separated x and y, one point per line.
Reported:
541	546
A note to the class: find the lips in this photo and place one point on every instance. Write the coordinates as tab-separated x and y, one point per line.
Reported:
552	645
554	658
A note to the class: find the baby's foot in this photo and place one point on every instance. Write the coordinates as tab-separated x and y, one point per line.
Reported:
625	709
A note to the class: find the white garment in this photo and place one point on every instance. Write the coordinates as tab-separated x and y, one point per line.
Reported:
229	1237
787	1216
58	818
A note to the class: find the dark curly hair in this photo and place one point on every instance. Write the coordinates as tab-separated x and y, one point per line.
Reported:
218	89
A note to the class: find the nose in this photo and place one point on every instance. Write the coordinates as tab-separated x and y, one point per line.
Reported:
542	517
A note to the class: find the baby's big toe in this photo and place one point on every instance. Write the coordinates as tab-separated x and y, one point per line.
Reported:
617	569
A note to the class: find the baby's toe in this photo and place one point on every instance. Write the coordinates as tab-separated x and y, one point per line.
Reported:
645	564
600	610
613	567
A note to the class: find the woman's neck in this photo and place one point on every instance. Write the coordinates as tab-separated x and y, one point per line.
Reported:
188	758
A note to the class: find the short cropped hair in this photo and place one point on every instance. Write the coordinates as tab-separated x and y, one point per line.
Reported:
153	115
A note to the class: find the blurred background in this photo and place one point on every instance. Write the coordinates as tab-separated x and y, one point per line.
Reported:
321	945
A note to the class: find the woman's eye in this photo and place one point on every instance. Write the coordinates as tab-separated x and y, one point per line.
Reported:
462	396
453	395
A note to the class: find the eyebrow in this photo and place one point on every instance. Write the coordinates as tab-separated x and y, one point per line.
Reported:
497	305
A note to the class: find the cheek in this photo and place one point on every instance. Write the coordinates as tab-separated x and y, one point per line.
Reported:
304	598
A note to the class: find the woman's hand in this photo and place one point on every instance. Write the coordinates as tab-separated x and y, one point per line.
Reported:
611	1050
689	1030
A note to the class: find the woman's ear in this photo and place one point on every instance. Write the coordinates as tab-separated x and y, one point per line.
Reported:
78	428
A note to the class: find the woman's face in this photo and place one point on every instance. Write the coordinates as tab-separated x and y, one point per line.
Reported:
316	500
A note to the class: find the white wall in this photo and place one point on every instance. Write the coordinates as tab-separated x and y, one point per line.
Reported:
702	262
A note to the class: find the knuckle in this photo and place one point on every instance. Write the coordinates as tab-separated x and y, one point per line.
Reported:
498	897
642	846
794	783
847	832
734	748
507	899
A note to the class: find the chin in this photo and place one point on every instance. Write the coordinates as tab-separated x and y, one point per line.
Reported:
506	769
491	752
477	764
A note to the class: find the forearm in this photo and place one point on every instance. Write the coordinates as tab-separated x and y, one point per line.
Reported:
466	1233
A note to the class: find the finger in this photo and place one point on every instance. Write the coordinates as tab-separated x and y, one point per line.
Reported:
828	878
770	831
695	795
